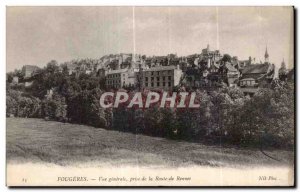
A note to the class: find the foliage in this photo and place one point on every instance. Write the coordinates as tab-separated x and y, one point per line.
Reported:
22	106
226	58
55	108
226	114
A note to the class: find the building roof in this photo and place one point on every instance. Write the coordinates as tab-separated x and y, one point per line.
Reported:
161	68
31	67
117	71
256	68
243	61
248	79
230	67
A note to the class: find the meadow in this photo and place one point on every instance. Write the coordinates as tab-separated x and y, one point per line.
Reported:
30	140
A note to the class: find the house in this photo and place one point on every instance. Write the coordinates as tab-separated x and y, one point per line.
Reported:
244	63
232	74
162	77
120	78
29	71
15	80
259	72
255	76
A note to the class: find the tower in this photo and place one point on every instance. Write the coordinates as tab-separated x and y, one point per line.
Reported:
283	64
266	55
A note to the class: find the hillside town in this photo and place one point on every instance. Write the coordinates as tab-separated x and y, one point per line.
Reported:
208	70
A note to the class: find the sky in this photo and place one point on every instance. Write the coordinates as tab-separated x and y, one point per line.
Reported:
36	35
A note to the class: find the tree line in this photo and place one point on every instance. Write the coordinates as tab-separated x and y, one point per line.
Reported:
225	115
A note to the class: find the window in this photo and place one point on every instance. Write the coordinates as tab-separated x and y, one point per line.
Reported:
157	84
152	78
146	84
169	77
169	72
146	78
157	78
152	84
164	78
164	84
157	72
152	73
169	83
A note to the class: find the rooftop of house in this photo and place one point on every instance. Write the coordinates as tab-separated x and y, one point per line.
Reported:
117	71
256	68
248	79
242	61
161	68
31	67
230	67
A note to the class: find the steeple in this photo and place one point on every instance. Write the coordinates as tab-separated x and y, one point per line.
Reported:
207	47
266	55
283	64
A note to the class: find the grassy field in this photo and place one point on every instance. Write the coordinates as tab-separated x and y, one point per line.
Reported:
37	140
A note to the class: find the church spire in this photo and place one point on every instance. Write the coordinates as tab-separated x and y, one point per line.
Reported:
266	55
283	64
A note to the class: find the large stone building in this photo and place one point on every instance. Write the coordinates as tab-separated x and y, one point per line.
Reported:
161	77
211	57
121	78
29	70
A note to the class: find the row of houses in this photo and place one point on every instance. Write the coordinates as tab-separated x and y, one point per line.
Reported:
207	70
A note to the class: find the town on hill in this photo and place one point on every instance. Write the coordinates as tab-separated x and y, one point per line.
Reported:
240	100
207	70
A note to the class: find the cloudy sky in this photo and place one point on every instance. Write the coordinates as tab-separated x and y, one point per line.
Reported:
36	35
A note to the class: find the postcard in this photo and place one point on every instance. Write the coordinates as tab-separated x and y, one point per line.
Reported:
150	96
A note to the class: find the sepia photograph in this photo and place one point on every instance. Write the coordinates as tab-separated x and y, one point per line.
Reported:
149	96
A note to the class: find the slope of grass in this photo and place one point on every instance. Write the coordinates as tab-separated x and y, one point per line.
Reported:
36	140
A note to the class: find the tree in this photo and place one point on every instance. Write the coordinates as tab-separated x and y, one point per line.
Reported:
55	108
226	58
